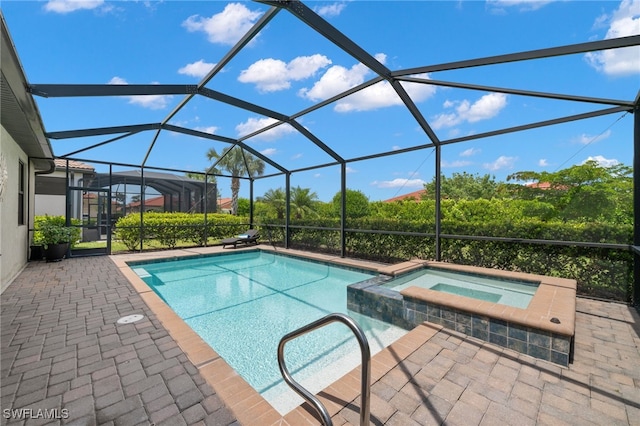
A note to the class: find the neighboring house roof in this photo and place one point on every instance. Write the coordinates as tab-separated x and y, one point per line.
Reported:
20	115
61	164
544	185
149	202
224	203
415	195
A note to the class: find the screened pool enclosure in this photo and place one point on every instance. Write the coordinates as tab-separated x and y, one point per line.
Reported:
613	259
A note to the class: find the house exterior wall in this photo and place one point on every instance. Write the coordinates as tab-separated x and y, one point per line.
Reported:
14	238
53	205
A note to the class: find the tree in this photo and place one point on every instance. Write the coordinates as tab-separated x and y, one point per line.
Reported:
404	210
275	198
302	202
200	176
238	163
357	204
464	186
583	192
243	207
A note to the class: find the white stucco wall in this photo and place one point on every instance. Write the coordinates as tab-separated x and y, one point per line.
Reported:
13	237
53	205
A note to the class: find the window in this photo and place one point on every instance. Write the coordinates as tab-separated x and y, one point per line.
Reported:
51	185
21	185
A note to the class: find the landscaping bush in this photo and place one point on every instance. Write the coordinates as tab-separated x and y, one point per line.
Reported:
58	221
171	228
602	273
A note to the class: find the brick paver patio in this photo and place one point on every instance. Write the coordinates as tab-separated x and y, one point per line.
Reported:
63	354
62	349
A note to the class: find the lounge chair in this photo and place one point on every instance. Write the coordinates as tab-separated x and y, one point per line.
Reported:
248	238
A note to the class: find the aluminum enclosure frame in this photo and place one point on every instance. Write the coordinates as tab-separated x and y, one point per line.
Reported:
394	78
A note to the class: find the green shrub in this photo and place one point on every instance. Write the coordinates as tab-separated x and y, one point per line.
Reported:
47	229
171	228
603	273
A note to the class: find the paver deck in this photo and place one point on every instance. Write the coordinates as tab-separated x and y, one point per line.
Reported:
64	355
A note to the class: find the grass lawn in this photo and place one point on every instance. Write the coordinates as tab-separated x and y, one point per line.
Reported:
119	247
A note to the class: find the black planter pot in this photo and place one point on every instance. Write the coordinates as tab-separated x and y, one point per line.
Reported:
37	253
56	252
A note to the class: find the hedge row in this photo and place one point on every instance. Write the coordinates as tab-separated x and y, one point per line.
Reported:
602	273
170	228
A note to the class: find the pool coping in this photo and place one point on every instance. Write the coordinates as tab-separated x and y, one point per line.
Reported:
249	407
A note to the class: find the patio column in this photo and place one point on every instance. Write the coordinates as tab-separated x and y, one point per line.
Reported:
109	210
343	209
437	198
205	203
287	211
635	296
251	203
141	209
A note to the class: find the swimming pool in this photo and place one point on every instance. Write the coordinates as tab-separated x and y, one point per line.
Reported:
481	287
241	304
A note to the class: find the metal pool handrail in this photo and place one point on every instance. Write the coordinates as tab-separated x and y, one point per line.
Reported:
366	366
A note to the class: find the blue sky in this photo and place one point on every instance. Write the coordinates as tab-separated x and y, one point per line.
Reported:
289	67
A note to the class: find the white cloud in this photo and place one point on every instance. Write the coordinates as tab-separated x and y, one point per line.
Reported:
395	148
209	129
317	175
338	79
453	133
543	162
457	163
67	6
522	5
602	162
253	124
296	156
350	170
268	152
197	69
226	27
470	152
585	139
488	106
330	10
335	80
271	75
625	21
145	101
117	80
399	183
503	162
382	95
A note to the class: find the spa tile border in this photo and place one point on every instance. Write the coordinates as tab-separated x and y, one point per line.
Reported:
544	330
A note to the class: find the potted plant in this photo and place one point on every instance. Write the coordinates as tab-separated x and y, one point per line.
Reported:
37	245
56	238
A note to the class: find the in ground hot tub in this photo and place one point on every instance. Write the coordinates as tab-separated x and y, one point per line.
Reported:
540	324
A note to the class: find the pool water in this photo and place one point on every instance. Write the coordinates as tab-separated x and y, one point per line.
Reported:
490	289
242	304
